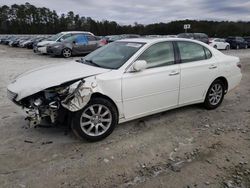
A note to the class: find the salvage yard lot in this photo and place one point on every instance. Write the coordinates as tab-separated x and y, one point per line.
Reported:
185	147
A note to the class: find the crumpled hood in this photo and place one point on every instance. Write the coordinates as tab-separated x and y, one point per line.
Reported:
45	43
45	77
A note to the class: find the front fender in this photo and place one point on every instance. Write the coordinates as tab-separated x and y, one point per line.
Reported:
79	95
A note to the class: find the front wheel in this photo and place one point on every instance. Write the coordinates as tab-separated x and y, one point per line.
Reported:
246	46
227	47
96	120
215	95
66	52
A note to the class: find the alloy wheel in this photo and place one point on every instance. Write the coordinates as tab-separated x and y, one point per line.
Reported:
95	120
66	52
215	94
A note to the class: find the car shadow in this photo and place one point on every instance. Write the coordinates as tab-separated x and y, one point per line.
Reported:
63	131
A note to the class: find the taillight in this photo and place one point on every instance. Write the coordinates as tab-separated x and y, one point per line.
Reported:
103	41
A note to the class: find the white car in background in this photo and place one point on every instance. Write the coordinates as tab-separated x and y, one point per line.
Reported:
126	80
219	44
41	47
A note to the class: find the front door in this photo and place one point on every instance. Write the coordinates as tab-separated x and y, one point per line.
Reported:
80	45
155	88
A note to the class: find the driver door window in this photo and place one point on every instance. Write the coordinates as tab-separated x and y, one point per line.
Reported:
81	40
160	54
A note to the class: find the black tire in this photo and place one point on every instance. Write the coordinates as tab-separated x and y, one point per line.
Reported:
237	47
246	46
207	103
77	118
227	48
66	52
215	46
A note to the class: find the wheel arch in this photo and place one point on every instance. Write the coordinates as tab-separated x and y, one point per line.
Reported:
100	95
224	81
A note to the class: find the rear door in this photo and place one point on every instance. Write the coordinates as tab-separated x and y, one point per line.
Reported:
198	69
92	43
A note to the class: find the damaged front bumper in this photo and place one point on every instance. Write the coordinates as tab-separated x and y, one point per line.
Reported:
50	103
36	115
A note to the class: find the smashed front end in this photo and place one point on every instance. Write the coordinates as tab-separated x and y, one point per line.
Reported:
53	104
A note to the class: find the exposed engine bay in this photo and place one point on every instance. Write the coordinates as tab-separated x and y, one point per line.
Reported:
51	105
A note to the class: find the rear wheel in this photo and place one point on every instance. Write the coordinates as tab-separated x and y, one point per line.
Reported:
246	46
237	47
215	95
227	47
66	52
215	46
96	120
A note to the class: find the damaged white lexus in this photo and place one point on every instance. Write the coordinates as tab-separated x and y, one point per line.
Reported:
125	80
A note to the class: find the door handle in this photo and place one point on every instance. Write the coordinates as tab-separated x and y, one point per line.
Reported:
213	67
173	73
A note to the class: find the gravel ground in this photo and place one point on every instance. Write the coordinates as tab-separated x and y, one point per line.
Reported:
187	147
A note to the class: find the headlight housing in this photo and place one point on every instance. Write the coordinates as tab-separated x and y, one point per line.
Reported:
57	46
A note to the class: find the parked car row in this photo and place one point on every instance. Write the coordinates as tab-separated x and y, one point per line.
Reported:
71	43
63	44
21	40
233	42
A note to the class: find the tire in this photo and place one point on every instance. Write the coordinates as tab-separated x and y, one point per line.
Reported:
227	48
215	46
215	95
237	47
246	46
84	119
66	52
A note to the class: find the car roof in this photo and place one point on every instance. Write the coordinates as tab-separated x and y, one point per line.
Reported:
154	40
65	32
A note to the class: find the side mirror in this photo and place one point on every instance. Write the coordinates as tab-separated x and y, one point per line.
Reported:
139	65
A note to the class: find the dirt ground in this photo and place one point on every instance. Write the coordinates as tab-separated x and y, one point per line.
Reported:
183	148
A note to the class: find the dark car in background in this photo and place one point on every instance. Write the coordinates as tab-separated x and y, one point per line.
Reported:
34	41
237	42
74	45
247	39
197	36
18	41
7	39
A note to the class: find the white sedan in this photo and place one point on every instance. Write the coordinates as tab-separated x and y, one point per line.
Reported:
125	80
219	44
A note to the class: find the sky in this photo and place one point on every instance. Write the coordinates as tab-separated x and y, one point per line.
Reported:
147	11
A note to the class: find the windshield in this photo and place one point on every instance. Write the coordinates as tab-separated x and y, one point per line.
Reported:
113	55
55	37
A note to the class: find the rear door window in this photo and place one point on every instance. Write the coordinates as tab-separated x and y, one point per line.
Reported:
190	51
92	38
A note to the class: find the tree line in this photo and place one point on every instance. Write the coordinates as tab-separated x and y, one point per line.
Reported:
29	19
